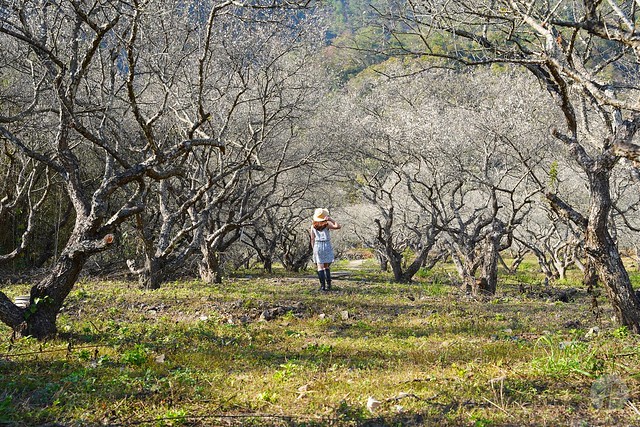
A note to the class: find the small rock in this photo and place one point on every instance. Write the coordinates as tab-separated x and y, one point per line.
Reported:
321	316
592	332
572	324
566	295
271	313
344	314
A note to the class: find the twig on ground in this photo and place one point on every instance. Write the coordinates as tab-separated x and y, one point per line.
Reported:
497	406
633	407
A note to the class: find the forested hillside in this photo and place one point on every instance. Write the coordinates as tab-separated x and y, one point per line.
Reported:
354	37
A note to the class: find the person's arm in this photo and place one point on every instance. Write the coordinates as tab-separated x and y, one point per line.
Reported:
333	225
312	237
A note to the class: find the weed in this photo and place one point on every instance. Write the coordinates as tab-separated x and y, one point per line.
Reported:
81	294
7	410
563	358
437	286
268	396
137	356
38	303
349	412
424	273
185	376
173	417
319	349
620	332
289	316
286	370
84	355
482	422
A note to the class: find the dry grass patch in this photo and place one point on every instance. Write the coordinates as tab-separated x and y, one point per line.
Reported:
274	351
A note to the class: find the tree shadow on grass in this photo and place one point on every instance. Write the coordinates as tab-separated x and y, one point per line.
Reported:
405	420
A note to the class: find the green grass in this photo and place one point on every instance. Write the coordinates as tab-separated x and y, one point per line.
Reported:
191	354
635	278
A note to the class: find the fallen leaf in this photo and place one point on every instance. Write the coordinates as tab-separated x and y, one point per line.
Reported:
372	404
303	391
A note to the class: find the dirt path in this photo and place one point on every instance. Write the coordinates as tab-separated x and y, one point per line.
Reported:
355	264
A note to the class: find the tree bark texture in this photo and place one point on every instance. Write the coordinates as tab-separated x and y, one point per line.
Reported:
604	253
490	262
209	267
152	275
10	314
49	294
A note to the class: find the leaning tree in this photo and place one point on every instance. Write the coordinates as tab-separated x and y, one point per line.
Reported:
585	53
101	113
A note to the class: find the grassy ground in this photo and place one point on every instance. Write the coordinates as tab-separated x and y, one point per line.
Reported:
275	351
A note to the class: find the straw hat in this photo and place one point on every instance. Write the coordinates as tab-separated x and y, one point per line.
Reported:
320	214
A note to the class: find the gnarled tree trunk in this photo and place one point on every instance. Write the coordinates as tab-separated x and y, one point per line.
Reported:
490	263
466	266
209	267
604	253
49	294
151	276
47	297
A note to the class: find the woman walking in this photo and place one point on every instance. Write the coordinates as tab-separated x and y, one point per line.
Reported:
321	242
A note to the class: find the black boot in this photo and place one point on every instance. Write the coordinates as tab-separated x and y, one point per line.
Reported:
327	275
321	276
